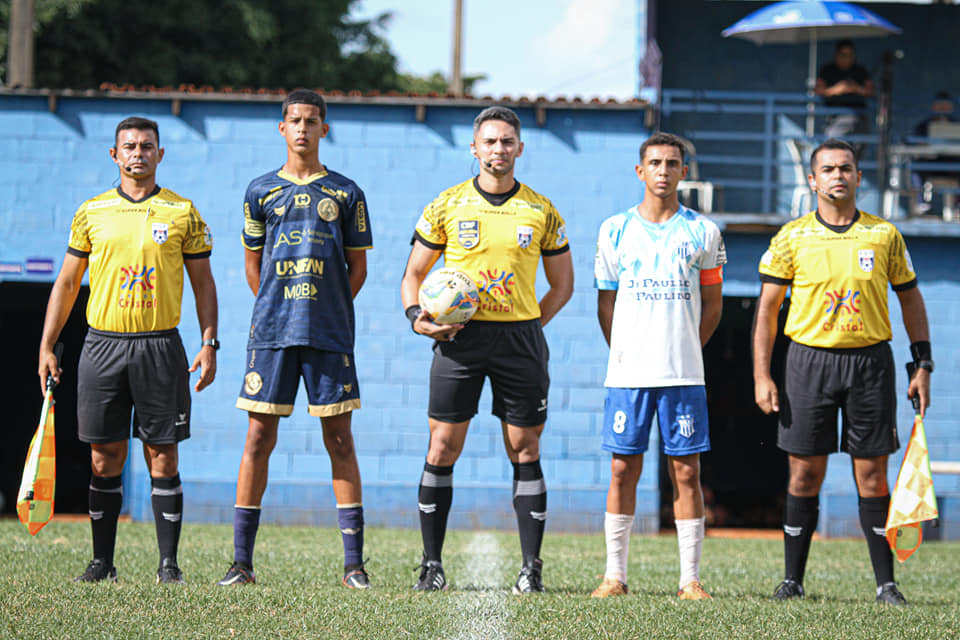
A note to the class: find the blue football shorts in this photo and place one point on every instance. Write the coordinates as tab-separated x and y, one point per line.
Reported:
681	413
273	376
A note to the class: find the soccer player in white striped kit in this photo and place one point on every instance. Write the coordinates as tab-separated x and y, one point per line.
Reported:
659	273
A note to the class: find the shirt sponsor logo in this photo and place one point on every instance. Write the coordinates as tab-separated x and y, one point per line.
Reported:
646	289
299	236
299	267
865	257
252	383
279	211
361	216
842	308
468	234
137	287
497	285
302	291
301	200
161	231
524	236
328	210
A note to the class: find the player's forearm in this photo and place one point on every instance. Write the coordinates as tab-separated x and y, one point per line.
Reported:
207	313
914	313
605	304
553	301
709	321
764	335
63	295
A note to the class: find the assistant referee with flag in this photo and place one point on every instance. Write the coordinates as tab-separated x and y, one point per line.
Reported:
838	262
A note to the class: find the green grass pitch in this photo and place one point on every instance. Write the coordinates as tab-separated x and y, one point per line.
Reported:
299	593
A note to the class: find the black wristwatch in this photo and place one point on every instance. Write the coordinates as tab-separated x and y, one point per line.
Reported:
212	342
925	364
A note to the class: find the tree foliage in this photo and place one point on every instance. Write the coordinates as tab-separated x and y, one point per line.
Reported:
238	43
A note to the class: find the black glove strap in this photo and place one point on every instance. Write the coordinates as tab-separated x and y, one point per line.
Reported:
412	312
920	350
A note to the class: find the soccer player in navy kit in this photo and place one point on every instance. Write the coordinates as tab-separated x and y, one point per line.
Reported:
305	236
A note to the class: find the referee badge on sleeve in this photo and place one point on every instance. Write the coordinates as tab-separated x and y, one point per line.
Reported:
866	259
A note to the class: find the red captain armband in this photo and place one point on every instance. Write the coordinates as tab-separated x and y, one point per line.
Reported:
712	276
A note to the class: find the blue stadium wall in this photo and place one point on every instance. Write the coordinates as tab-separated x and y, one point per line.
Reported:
582	158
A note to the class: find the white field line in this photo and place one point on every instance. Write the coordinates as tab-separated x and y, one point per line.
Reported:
479	612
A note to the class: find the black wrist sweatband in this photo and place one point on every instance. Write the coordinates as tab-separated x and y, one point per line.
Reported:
920	350
412	312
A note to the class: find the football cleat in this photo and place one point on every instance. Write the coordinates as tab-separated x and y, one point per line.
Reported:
610	587
530	579
169	572
888	593
355	577
239	573
787	590
431	577
694	591
97	571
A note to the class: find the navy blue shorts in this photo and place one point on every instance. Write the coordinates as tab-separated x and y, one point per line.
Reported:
273	376
681	413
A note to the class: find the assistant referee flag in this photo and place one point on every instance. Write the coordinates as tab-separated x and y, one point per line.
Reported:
913	500
35	498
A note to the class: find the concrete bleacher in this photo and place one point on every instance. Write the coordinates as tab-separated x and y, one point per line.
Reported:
581	158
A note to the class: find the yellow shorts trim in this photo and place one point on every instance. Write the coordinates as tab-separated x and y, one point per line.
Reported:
264	407
324	410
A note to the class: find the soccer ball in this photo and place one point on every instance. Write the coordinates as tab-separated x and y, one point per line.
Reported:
449	296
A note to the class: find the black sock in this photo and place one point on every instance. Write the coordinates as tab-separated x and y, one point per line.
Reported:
105	499
799	524
873	521
434	500
530	504
167	499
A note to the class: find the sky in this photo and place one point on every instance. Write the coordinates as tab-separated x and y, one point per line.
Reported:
530	48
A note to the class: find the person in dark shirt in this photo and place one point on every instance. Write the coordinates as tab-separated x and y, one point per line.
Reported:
845	83
941	110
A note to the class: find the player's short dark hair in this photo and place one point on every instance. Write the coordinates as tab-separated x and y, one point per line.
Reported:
497	112
833	144
844	44
662	139
138	123
304	96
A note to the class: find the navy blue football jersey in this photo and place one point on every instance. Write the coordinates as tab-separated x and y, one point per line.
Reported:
303	228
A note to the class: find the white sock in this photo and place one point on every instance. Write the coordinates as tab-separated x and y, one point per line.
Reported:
617	528
690	539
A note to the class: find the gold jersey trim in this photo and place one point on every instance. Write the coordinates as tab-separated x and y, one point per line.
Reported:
268	408
295	180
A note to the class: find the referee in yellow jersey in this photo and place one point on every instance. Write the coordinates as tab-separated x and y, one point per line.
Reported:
838	262
496	230
136	240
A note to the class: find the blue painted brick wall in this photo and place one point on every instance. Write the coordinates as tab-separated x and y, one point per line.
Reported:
582	160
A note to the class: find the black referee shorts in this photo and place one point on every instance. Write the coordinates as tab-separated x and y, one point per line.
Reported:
513	355
143	372
820	382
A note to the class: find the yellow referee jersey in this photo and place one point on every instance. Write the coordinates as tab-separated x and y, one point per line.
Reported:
498	246
136	252
838	279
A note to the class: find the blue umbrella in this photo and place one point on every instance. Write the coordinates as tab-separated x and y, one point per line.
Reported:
809	21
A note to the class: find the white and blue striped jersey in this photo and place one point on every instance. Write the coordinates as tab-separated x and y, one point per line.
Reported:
657	271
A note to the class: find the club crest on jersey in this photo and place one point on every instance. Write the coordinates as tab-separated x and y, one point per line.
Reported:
328	210
160	232
866	259
468	234
524	236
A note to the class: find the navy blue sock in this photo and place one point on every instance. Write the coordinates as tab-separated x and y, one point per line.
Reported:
166	497
530	505
246	521
434	499
350	519
105	498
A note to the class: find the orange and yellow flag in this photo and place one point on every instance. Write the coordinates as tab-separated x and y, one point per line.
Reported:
913	500
35	498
